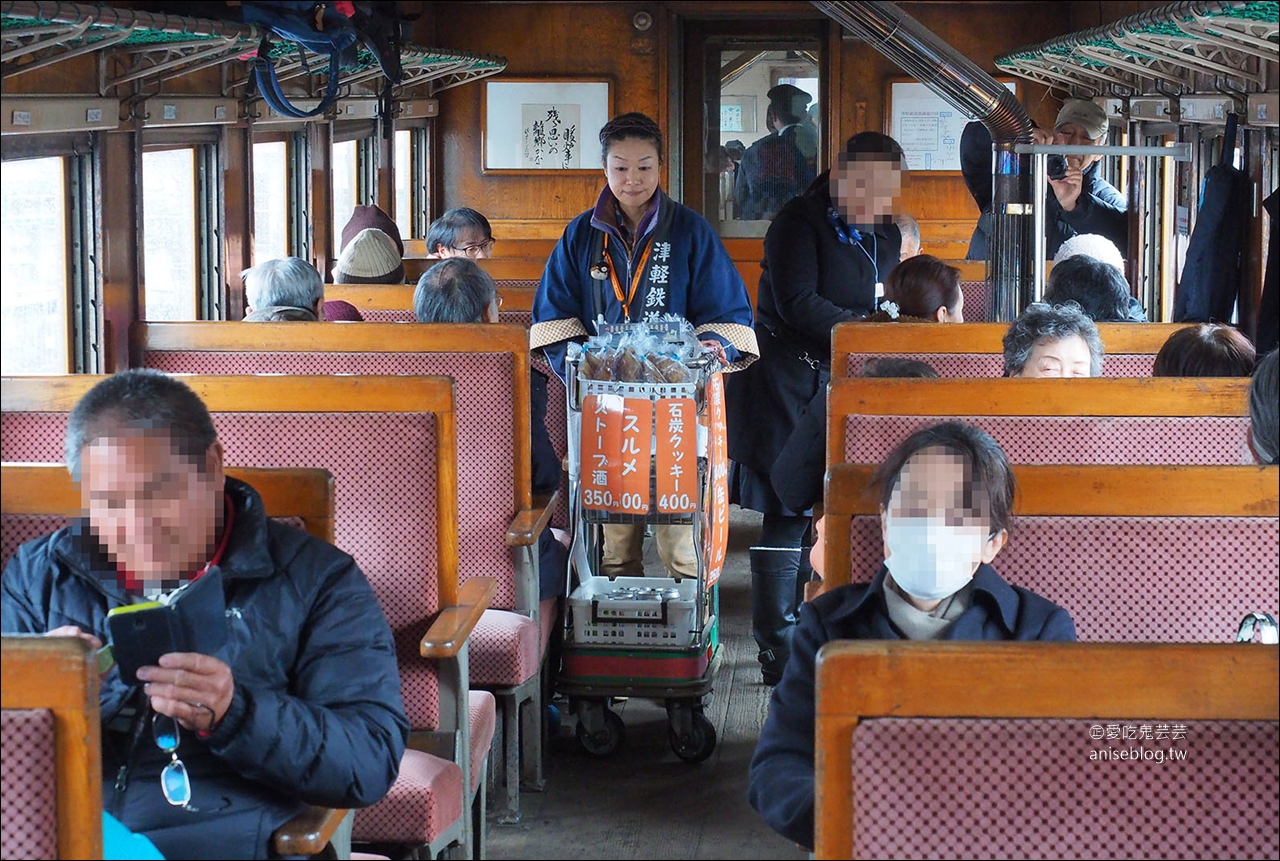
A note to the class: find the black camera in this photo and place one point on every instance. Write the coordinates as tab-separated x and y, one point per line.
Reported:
1057	166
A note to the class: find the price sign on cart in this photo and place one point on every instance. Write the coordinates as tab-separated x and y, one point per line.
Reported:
617	437
677	456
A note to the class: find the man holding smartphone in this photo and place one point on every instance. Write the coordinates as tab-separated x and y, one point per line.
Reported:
295	700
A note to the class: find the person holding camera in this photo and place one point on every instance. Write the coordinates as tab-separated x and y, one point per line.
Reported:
1081	201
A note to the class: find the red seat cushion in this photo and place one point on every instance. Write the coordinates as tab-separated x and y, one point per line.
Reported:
28	785
503	649
483	710
423	802
1043	789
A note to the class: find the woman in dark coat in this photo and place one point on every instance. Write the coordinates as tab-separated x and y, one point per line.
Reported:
826	256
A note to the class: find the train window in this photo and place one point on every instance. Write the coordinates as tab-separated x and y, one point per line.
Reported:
270	200
35	310
345	187
404	181
171	290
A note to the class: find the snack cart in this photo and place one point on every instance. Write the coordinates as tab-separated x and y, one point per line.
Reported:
646	446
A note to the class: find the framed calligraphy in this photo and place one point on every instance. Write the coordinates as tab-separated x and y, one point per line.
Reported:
539	124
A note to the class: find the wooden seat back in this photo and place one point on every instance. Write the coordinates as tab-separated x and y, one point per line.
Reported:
39	498
1099	420
1134	553
393	303
977	349
52	786
1011	750
489	364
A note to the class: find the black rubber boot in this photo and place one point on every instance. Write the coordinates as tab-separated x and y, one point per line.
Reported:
773	606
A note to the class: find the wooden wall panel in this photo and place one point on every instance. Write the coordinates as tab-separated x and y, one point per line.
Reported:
597	39
573	39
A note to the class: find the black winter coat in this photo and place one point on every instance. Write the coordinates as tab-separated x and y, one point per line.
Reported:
810	282
781	783
1100	208
316	717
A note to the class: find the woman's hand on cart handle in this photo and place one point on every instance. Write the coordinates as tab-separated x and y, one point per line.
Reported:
717	348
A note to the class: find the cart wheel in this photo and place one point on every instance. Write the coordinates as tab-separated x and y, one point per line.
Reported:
700	742
608	742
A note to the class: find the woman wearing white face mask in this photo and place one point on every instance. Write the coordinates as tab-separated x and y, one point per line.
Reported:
946	495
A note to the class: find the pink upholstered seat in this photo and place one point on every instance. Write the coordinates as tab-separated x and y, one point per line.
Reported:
504	649
423	803
388	315
484	406
1102	570
1186	440
992	364
955	788
18	529
979	305
483	709
28	785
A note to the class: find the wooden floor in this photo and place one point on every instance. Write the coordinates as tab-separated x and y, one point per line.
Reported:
644	802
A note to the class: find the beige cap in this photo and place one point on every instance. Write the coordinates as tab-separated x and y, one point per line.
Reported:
1085	114
371	254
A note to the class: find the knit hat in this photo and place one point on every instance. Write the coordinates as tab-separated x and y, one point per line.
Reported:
371	216
1085	114
341	311
369	258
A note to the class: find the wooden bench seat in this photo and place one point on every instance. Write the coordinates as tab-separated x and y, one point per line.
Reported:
1168	553
1169	420
1011	750
489	364
977	350
36	499
391	445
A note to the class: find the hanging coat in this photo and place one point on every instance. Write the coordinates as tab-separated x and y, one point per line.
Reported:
1212	272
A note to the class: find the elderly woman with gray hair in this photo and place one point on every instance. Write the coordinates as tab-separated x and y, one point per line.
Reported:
1053	341
283	290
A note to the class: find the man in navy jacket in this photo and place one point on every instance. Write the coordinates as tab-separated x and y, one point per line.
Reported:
301	705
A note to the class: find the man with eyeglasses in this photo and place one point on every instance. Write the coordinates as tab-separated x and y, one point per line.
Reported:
460	232
209	753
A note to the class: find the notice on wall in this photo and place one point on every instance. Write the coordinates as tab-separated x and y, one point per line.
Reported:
927	126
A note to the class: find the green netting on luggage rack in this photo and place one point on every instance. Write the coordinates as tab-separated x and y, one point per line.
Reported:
1104	37
96	32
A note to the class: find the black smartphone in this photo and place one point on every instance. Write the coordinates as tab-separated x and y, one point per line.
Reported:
140	634
193	620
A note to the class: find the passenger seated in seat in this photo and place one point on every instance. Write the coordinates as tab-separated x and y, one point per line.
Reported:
1264	410
1053	341
369	258
460	232
921	289
945	495
910	230
1206	350
458	291
1098	288
287	289
211	752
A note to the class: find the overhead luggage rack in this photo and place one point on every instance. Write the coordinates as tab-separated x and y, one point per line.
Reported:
155	47
1161	50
